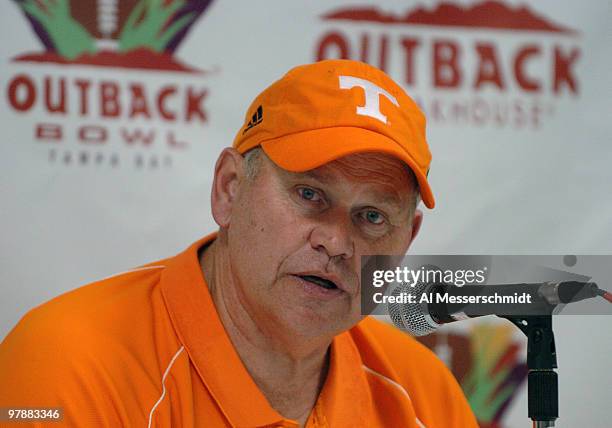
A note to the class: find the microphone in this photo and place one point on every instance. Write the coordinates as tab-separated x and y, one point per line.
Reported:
446	303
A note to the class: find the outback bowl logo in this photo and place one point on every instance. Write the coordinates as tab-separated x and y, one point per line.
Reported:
489	365
107	88
486	64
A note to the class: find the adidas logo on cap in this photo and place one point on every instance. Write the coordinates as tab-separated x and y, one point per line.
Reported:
256	119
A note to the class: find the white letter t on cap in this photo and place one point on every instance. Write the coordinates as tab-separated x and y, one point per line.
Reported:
372	96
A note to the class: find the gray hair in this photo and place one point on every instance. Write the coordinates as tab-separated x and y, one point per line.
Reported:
252	162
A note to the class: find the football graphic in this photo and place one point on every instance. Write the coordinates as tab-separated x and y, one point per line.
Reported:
103	32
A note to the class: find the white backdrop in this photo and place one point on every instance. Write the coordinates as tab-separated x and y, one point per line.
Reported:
531	183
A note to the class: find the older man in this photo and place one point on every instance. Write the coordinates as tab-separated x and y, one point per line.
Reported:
260	324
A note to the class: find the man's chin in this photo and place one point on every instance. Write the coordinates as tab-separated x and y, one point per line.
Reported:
308	321
309	311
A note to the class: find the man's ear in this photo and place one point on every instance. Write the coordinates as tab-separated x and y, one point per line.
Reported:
417	220
229	173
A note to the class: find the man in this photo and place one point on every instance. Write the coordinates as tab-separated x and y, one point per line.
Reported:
260	324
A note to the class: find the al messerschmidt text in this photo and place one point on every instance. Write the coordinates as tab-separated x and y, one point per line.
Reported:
495	298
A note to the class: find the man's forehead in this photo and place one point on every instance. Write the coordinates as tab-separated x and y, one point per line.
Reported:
385	176
382	167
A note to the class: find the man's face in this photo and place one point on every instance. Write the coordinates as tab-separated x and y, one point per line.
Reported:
296	239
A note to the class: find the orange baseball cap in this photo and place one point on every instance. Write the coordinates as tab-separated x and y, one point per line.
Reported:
320	112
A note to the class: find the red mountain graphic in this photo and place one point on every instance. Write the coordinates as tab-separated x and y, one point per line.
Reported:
488	14
137	58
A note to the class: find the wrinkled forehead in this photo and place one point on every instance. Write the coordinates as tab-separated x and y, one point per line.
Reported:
378	172
367	165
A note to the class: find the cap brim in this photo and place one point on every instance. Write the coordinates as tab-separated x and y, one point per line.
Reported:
310	149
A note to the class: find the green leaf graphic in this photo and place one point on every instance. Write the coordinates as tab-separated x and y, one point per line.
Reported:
68	36
145	25
480	385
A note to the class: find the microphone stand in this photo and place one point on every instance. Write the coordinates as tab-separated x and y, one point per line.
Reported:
542	382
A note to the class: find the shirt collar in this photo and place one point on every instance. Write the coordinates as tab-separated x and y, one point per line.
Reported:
345	397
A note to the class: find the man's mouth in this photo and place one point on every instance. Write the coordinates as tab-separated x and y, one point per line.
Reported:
321	282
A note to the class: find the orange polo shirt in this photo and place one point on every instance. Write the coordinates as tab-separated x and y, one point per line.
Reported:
146	348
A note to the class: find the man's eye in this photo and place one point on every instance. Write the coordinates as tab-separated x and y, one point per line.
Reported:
309	194
373	217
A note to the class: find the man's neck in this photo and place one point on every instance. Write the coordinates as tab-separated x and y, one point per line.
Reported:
290	375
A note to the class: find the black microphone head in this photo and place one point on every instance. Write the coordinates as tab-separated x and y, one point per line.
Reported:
412	317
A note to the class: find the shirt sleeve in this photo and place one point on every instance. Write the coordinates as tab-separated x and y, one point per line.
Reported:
48	361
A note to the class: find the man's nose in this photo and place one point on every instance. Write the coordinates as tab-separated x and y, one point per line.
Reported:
333	235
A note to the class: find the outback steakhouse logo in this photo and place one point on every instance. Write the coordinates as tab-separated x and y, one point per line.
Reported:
488	64
107	89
